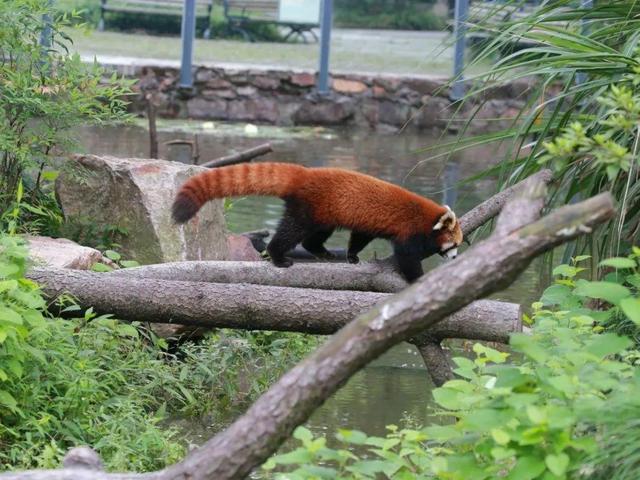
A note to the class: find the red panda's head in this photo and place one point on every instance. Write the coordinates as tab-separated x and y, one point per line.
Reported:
448	234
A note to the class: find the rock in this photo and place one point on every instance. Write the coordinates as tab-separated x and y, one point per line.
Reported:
247	91
202	108
241	249
303	79
259	109
342	85
266	83
136	195
379	91
435	112
83	457
218	83
325	111
393	113
63	253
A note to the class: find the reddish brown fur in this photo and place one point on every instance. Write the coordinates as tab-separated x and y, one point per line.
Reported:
336	197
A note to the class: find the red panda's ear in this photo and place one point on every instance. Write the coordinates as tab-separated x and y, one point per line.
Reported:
447	221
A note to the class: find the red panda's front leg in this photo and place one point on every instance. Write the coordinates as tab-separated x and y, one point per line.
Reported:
408	258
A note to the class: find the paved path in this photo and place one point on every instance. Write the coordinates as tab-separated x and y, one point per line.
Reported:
366	51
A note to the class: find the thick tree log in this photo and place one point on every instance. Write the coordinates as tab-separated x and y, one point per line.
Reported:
367	277
245	156
487	267
376	276
254	307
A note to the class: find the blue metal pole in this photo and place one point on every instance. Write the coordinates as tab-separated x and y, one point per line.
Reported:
581	77
45	34
325	42
460	31
188	34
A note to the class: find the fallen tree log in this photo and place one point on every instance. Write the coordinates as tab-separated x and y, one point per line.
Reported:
485	268
376	276
253	307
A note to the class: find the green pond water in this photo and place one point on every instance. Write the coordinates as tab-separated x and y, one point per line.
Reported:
394	389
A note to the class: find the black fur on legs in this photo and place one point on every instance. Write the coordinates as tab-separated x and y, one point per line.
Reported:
183	208
357	242
296	225
314	244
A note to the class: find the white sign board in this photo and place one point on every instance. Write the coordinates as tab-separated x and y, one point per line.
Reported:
299	11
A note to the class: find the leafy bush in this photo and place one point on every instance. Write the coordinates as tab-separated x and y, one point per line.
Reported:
581	114
563	408
96	381
45	93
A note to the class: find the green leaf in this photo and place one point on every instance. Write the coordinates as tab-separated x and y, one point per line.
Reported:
608	291
112	255
527	468
7	400
557	464
566	271
353	436
303	434
10	316
298	456
129	263
631	308
500	436
528	346
608	344
448	398
101	267
555	295
618	263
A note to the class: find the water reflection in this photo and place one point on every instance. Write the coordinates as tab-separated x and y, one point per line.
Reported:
395	388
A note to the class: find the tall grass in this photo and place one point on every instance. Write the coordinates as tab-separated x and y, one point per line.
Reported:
582	114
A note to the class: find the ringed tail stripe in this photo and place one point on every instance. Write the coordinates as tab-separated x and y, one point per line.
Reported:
273	179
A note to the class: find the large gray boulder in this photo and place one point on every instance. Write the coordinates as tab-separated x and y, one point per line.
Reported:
136	195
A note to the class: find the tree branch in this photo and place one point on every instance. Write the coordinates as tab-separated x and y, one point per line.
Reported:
240	157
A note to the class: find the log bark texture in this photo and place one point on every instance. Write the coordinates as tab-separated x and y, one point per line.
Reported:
254	307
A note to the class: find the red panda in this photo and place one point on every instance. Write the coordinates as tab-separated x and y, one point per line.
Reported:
319	200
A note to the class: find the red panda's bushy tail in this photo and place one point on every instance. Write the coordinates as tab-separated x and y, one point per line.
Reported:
272	179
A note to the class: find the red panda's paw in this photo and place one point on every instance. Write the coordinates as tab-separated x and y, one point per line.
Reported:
282	262
352	258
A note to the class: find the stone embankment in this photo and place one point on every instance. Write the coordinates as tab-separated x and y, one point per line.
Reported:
287	97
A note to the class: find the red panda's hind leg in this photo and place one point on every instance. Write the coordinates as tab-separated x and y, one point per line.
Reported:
314	244
292	229
357	242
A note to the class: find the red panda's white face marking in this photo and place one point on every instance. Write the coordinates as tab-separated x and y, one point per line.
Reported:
448	234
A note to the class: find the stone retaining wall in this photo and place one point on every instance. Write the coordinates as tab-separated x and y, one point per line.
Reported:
287	97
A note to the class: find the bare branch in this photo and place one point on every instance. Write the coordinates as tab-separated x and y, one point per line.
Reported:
490	208
245	156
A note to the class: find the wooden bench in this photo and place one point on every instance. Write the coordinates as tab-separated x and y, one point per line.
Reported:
241	13
156	7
